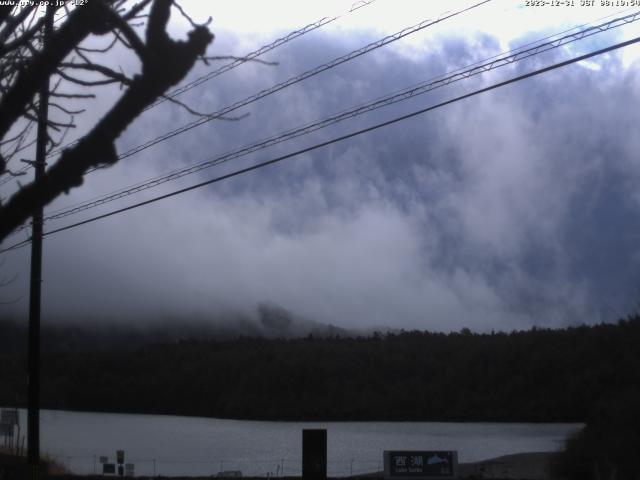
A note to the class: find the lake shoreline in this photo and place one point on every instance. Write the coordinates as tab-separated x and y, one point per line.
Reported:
176	446
522	466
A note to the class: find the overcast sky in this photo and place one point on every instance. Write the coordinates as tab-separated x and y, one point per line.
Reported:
514	208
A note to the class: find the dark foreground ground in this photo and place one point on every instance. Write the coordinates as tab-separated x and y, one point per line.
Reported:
522	466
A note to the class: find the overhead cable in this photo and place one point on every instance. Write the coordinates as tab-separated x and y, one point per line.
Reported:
407	93
251	56
343	137
260	51
298	78
292	81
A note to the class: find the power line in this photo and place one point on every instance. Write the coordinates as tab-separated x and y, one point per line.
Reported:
8	177
345	137
297	79
407	93
481	66
262	50
293	80
225	68
289	82
16	246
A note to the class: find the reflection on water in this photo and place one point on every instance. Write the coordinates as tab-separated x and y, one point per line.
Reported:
170	445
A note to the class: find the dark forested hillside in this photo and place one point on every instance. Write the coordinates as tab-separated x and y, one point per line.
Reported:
536	375
268	321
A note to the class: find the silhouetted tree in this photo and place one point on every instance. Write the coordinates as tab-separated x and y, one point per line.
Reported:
608	446
27	61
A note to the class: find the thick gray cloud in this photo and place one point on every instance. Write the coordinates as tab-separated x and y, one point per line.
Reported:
514	208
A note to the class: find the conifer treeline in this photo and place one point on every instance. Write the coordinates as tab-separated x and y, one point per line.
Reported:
537	375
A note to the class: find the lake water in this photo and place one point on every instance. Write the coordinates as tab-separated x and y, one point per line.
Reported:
171	445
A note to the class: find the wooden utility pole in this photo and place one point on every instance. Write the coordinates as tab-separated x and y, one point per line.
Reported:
33	393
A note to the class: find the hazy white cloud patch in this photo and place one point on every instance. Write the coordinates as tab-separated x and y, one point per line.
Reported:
503	211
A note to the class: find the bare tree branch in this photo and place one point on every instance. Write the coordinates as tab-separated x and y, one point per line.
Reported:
5	11
81	22
99	50
165	62
189	19
72	95
15	174
11	23
134	42
135	10
203	115
106	71
86	83
66	110
22	40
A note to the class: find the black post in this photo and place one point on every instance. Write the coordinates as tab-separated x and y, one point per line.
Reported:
314	454
33	393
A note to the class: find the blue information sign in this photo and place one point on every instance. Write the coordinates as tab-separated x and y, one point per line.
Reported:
424	464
